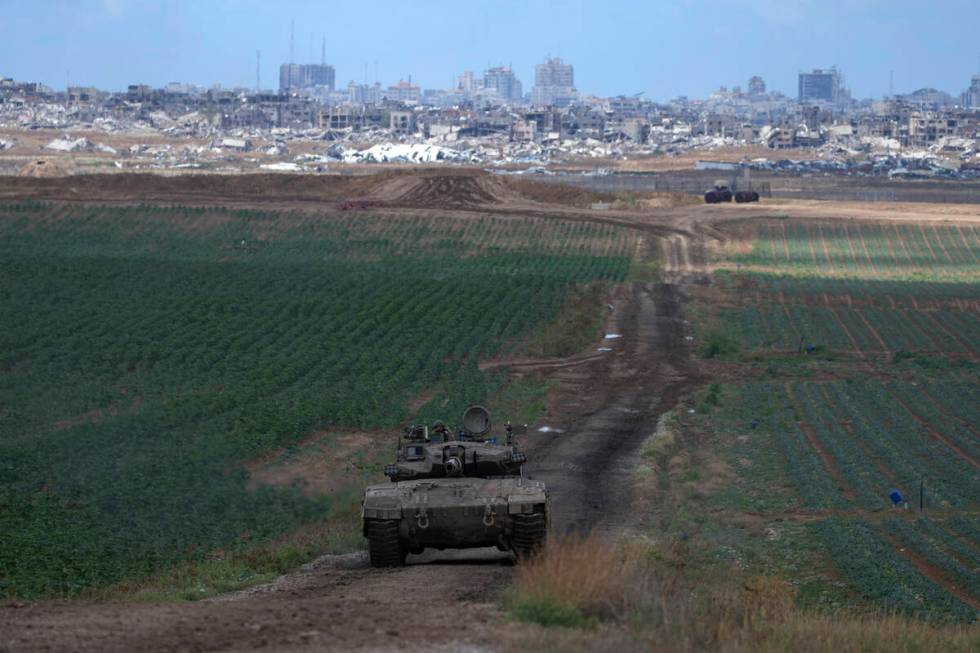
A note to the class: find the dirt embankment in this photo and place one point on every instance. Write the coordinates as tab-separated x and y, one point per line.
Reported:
440	188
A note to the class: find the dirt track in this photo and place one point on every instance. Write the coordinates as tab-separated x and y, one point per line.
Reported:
607	406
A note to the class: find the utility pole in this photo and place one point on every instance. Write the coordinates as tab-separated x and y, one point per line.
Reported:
323	52
258	69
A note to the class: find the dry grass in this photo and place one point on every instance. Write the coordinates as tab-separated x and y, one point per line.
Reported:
657	200
589	574
621	597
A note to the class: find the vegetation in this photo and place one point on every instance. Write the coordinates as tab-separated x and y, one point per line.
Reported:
719	345
147	353
595	595
866	335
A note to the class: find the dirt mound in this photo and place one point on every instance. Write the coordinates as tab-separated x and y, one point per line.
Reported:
443	191
419	188
41	168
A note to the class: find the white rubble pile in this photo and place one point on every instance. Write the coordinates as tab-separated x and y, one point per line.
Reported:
78	145
404	153
281	166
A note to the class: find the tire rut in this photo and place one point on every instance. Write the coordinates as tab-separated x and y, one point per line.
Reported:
589	468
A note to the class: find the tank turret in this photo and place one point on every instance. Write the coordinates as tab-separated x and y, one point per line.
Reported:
471	451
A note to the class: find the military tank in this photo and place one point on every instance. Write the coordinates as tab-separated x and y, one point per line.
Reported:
455	490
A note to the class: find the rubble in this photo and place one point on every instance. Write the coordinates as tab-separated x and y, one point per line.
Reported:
240	130
78	145
281	166
405	153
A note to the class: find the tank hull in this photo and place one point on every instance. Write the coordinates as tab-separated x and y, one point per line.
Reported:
456	513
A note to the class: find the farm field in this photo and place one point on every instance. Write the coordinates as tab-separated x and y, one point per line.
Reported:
147	354
853	353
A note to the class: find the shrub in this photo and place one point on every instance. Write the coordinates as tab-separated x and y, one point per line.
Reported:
719	345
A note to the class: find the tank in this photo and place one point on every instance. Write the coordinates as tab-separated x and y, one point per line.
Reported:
455	490
720	193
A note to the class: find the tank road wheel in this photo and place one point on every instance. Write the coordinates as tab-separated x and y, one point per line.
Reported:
529	535
384	547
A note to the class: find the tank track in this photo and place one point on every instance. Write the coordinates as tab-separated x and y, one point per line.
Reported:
384	546
529	535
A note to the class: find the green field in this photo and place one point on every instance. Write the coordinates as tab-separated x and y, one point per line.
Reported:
887	399
147	354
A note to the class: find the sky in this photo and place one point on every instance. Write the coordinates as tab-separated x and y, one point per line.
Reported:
662	48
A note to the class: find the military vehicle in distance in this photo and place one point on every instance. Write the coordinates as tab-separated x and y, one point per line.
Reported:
720	193
743	196
454	491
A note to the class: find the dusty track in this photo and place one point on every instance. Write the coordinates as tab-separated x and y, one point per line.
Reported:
607	406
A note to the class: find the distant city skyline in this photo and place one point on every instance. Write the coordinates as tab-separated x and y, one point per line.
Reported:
687	48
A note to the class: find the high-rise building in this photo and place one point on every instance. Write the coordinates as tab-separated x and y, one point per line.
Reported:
971	97
554	84
289	77
757	86
364	94
467	82
820	85
506	84
403	92
318	75
293	76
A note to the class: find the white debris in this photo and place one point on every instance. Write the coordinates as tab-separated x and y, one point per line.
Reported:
282	166
612	336
548	429
6	145
278	149
77	145
68	145
603	349
403	153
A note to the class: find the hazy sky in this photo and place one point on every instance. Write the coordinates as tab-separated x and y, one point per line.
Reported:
687	47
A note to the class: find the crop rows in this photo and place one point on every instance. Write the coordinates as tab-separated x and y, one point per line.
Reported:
845	446
879	446
215	233
147	353
957	561
882	293
775	323
868	250
882	575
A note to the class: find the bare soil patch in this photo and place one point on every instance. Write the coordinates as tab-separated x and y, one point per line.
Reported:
321	463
